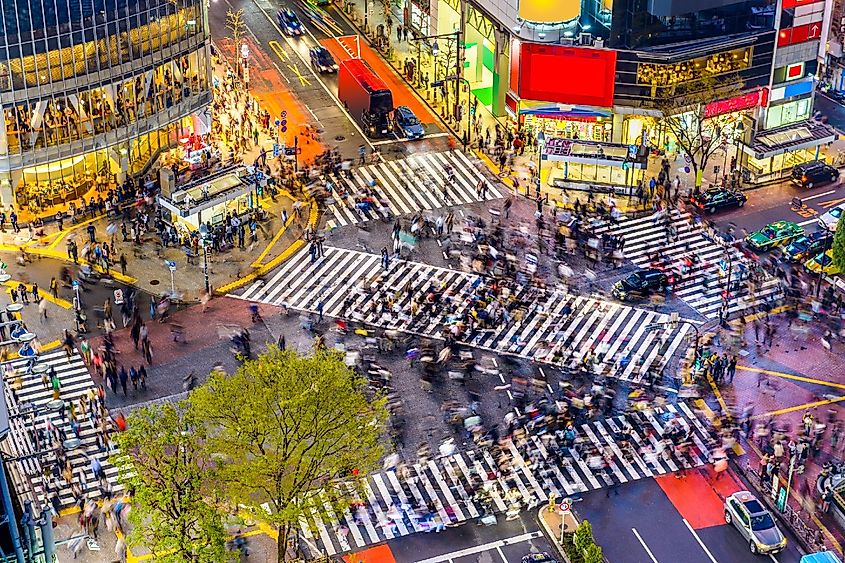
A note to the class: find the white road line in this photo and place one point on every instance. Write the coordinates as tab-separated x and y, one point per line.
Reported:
642	543
818	195
808	221
479	548
701	543
502	554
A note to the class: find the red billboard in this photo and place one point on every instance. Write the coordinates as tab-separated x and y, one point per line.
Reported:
753	99
799	34
567	75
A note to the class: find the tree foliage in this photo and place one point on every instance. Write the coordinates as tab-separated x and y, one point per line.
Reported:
838	247
162	462
293	431
684	115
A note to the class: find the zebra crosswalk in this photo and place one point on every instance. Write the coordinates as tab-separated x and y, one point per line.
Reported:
704	288
551	326
31	443
409	185
619	449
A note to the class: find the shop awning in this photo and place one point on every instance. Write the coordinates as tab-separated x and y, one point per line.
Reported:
793	137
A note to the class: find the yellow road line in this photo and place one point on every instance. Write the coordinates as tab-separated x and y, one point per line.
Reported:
748	318
286	253
46	295
794	377
708	412
257	262
718	395
798	407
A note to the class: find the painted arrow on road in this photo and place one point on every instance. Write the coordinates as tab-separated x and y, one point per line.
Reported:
830	203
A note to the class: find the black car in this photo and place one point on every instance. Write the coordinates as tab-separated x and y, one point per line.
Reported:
814	173
322	60
718	198
804	248
641	283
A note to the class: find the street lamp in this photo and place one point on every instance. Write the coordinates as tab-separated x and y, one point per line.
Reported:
674	322
204	234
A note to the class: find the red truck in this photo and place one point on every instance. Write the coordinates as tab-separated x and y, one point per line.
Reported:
366	96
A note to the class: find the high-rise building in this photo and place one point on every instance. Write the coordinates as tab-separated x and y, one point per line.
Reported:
92	91
597	70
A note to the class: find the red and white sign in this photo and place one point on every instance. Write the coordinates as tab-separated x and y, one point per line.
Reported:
565	506
759	97
788	4
799	34
795	71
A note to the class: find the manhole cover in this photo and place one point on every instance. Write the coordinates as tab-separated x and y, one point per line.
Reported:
154	282
339	138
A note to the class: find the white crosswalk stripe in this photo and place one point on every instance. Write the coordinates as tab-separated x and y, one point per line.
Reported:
644	238
24	389
395	505
411	184
555	327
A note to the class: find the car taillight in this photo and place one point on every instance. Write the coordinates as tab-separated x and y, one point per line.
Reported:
804	178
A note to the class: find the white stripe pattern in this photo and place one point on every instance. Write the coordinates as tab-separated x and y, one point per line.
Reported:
556	327
540	466
412	184
75	382
644	237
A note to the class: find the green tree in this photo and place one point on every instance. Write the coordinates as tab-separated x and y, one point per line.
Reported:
593	554
583	536
173	512
292	431
838	248
684	115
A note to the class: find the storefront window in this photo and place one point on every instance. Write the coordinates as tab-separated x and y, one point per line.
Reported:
652	74
790	112
68	117
599	130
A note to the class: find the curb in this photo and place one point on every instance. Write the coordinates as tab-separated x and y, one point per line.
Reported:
552	537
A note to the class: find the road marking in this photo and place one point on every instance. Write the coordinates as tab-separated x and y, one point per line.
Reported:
819	195
799	407
701	543
279	50
795	377
831	202
308	64
807	222
302	80
479	548
501	553
642	543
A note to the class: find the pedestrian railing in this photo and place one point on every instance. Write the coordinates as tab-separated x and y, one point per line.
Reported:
809	534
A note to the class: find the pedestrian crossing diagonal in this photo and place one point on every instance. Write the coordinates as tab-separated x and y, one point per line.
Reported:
452	489
31	442
704	286
411	184
551	326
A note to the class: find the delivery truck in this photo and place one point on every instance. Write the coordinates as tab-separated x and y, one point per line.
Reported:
366	96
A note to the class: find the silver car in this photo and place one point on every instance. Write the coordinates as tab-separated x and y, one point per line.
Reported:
754	522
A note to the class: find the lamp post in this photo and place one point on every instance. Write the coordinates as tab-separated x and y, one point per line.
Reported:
204	242
674	322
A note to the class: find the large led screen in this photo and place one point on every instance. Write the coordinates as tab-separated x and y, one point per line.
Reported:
549	11
568	75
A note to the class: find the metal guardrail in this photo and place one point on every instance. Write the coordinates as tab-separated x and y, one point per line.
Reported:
810	535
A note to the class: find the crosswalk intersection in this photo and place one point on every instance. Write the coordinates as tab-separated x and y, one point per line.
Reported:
555	326
703	288
25	391
541	465
411	184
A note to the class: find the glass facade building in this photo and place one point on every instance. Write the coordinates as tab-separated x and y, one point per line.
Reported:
93	90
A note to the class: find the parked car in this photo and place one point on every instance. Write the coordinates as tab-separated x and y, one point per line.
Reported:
830	220
322	59
814	173
715	199
754	522
406	124
775	234
822	263
807	246
289	22
641	284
